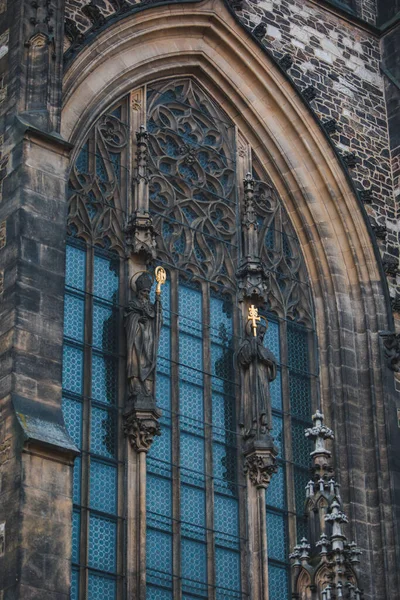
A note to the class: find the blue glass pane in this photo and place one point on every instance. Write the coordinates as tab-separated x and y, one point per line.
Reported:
192	458
72	411
300	395
74	317
104	328
159	557
159	502
227	563
163	393
76	482
154	593
301	529
224	468
76	531
226	519
190	310
104	379
278	582
75	273
276	536
221	320
106	279
222	416
271	339
301	478
103	432
164	349
191	352
276	392
101	587
222	364
102	543
277	433
276	495
74	585
191	407
159	457
302	446
101	170
72	369
103	487
82	162
297	340
194	567
193	511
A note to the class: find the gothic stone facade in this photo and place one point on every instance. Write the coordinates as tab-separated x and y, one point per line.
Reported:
313	87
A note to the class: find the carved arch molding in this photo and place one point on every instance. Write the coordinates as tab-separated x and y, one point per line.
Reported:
203	41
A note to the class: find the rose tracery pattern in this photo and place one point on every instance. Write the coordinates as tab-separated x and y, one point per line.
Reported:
192	181
97	192
289	292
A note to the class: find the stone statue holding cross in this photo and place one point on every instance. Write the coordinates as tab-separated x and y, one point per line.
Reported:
257	371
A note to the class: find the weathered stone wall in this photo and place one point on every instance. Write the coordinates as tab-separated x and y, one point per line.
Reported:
341	60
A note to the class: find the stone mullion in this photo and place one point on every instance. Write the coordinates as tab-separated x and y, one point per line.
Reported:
287	435
122	495
87	406
175	440
242	489
208	440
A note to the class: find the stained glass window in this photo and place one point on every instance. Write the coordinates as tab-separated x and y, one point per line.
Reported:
195	491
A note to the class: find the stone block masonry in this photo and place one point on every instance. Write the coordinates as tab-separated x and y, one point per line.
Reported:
341	61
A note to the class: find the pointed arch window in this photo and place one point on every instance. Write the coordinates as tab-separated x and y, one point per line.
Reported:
196	515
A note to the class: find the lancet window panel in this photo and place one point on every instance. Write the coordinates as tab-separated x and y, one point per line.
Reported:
93	361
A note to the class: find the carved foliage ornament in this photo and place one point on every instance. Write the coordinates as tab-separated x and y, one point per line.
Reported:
141	430
260	468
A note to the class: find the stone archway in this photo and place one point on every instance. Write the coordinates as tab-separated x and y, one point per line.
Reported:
204	41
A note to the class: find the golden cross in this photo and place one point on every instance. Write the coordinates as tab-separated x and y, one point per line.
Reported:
253	317
161	278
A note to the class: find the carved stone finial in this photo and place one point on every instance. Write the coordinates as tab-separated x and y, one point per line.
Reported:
260	466
330	126
286	62
391	342
141	427
309	93
318	434
350	160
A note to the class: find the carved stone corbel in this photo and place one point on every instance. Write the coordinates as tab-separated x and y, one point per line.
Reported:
141	427
260	465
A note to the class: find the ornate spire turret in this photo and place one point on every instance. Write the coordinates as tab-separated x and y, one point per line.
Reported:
140	235
324	564
253	278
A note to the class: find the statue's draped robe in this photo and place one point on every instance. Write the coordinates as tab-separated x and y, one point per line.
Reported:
143	326
258	370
